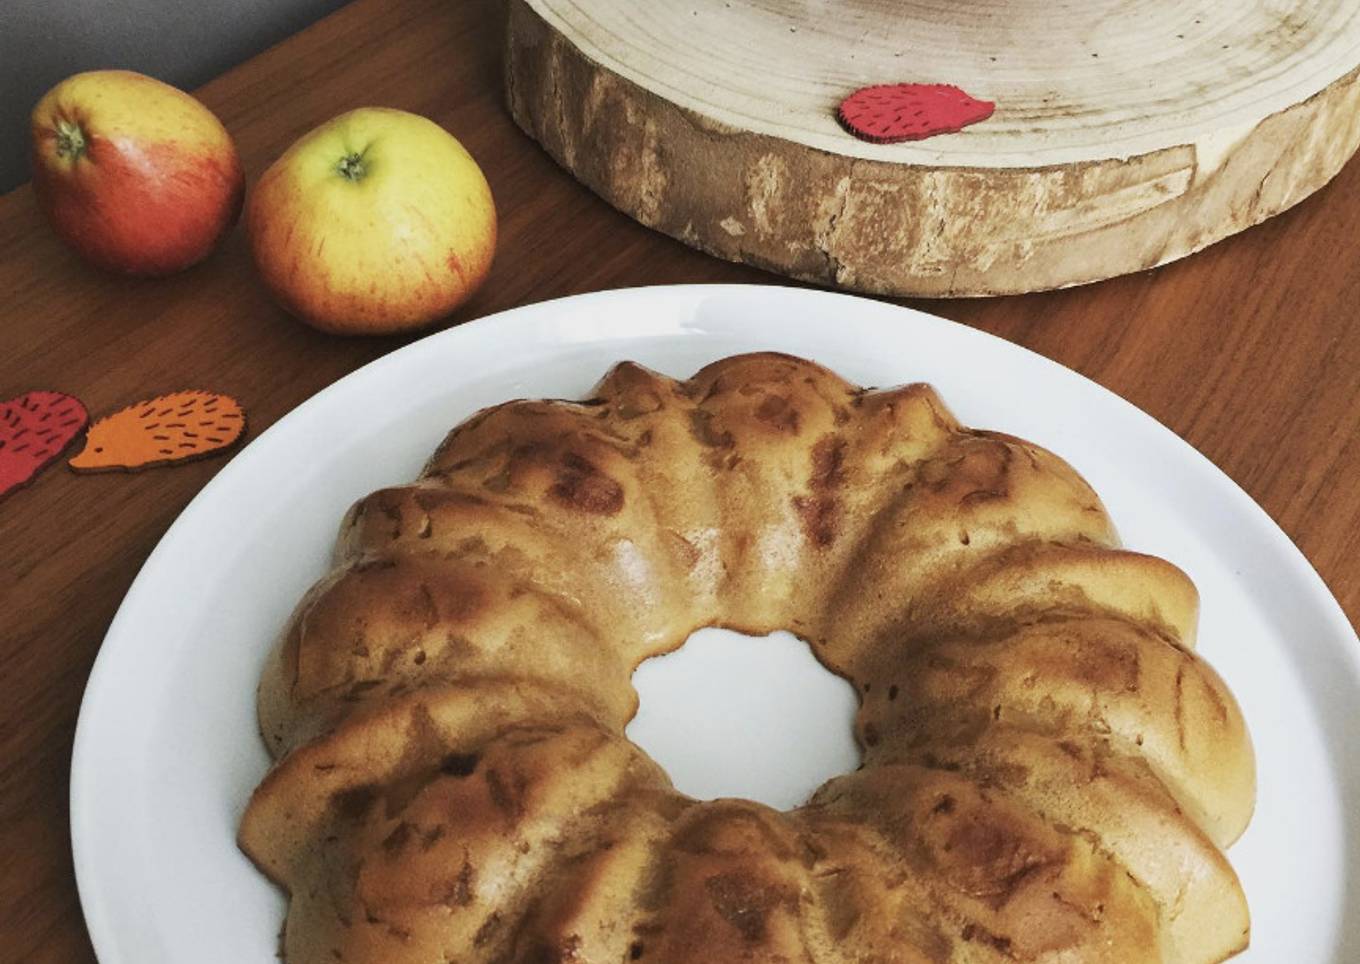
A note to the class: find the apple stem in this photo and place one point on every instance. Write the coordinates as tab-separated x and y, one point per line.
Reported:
352	167
70	139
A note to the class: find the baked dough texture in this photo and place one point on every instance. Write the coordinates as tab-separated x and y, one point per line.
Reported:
1050	773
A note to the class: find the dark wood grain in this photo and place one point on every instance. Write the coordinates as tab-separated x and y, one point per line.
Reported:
1249	350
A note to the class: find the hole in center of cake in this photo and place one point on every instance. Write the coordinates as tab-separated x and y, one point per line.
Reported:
756	717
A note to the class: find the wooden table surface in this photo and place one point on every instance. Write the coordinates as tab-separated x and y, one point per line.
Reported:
1249	350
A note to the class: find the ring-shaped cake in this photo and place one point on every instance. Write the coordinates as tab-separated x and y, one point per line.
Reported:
1049	773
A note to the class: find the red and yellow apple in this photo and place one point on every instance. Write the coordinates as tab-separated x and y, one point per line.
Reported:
135	175
377	221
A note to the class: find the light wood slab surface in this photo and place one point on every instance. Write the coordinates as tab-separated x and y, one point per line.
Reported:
1125	135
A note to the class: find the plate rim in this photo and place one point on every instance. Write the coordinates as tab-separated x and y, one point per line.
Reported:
103	932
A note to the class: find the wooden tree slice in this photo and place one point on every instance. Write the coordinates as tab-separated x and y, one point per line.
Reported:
1127	133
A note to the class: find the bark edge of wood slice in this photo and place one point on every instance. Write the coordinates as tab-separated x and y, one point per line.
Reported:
965	214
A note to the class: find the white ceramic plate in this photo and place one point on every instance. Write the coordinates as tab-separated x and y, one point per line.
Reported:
166	753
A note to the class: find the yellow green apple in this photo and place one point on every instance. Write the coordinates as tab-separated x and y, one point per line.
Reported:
377	221
135	175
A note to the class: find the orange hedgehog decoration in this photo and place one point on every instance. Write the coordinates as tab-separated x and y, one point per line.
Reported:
168	428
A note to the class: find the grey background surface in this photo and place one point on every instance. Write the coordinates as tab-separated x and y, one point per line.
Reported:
183	42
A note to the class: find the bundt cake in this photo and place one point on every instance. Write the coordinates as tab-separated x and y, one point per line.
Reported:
1049	771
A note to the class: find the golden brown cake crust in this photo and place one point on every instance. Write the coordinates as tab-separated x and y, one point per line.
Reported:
1050	772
